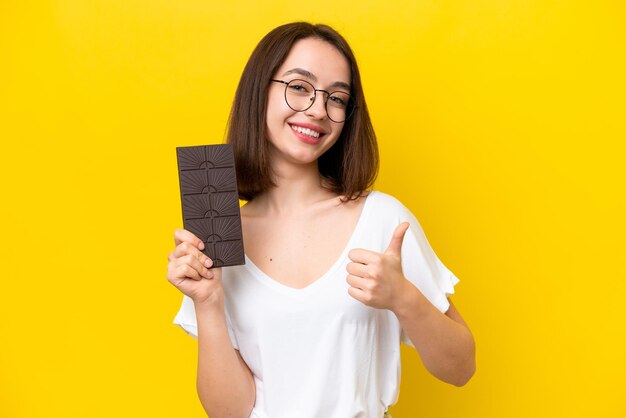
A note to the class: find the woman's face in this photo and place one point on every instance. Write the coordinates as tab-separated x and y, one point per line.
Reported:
302	137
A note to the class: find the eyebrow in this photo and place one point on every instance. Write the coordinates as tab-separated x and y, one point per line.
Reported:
311	76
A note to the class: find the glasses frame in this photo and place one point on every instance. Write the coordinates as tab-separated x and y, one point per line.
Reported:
349	108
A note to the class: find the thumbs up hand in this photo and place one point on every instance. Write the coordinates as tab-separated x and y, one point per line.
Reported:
376	279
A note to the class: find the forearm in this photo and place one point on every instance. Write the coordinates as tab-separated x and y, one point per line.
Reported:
225	384
446	346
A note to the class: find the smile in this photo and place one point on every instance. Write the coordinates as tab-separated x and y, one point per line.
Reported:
305	131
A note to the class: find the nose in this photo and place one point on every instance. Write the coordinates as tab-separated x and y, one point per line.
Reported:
318	108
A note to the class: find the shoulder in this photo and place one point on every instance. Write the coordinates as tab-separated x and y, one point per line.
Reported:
382	215
384	205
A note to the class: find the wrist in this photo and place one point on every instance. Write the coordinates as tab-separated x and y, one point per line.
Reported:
211	305
409	301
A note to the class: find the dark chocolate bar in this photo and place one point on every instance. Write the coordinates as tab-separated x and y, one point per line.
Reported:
208	191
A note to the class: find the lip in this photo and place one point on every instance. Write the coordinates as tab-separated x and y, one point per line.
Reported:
306	138
308	126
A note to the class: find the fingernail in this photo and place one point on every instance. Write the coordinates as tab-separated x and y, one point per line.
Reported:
201	245
208	263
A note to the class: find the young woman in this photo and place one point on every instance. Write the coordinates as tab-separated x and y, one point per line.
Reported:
336	275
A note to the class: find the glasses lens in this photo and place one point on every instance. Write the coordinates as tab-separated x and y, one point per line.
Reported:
299	94
338	105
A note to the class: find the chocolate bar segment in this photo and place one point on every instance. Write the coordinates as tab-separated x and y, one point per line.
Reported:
208	192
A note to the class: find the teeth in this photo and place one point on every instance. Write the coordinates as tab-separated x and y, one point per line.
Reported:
306	131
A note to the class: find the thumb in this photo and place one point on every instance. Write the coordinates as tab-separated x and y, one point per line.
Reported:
395	246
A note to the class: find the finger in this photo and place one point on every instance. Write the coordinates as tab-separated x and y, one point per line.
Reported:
395	245
182	235
185	248
359	255
194	264
185	271
357	282
198	266
357	269
357	294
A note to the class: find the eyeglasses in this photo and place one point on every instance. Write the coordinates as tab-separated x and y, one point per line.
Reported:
300	96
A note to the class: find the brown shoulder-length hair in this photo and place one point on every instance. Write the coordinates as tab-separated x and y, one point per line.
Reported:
350	166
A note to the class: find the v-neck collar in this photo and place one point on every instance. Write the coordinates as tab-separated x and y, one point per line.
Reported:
264	278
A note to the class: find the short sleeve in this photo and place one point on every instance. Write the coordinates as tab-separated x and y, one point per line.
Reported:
423	268
186	319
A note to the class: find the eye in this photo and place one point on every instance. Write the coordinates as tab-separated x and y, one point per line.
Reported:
339	99
299	86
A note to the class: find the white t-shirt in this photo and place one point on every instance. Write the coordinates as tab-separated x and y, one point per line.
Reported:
317	352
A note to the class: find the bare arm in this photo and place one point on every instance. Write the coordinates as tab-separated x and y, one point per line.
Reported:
443	341
225	384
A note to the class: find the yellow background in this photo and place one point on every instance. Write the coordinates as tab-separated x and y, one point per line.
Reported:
501	126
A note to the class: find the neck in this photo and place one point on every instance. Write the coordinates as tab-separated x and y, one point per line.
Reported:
297	188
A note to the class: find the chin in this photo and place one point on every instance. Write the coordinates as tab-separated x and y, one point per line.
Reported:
304	158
